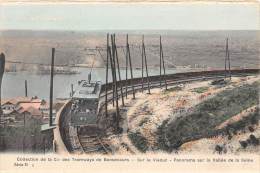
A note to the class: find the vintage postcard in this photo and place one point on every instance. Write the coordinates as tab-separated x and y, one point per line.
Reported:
122	86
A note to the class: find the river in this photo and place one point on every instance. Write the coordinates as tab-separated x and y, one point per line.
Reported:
38	85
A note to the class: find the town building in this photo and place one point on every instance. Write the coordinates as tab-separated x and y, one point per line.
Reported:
20	109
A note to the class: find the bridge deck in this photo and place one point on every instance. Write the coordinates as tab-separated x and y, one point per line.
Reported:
92	144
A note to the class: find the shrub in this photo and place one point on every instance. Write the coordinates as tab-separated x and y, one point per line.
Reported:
143	121
200	89
176	88
139	141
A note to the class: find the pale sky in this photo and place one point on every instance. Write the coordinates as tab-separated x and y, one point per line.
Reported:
179	16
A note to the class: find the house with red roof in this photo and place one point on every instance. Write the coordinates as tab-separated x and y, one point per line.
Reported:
18	108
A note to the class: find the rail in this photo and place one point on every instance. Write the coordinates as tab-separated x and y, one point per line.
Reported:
177	76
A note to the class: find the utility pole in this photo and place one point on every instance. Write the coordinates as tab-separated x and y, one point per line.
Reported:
2	69
126	73
160	63
229	65
142	65
112	70
51	87
145	61
25	85
226	57
227	60
118	70
162	59
72	90
115	79
130	63
107	73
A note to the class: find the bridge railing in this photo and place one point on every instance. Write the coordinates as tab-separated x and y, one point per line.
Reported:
175	76
61	130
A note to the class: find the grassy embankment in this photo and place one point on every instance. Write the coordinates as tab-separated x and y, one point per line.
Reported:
208	115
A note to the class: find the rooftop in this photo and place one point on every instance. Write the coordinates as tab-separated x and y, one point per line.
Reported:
33	111
87	90
16	100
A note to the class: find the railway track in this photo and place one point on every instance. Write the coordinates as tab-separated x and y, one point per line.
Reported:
92	143
158	84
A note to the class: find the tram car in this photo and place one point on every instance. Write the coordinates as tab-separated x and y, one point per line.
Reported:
85	101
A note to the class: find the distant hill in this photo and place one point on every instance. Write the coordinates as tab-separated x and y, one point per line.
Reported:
180	47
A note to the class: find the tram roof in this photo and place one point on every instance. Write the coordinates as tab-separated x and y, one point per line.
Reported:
87	90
